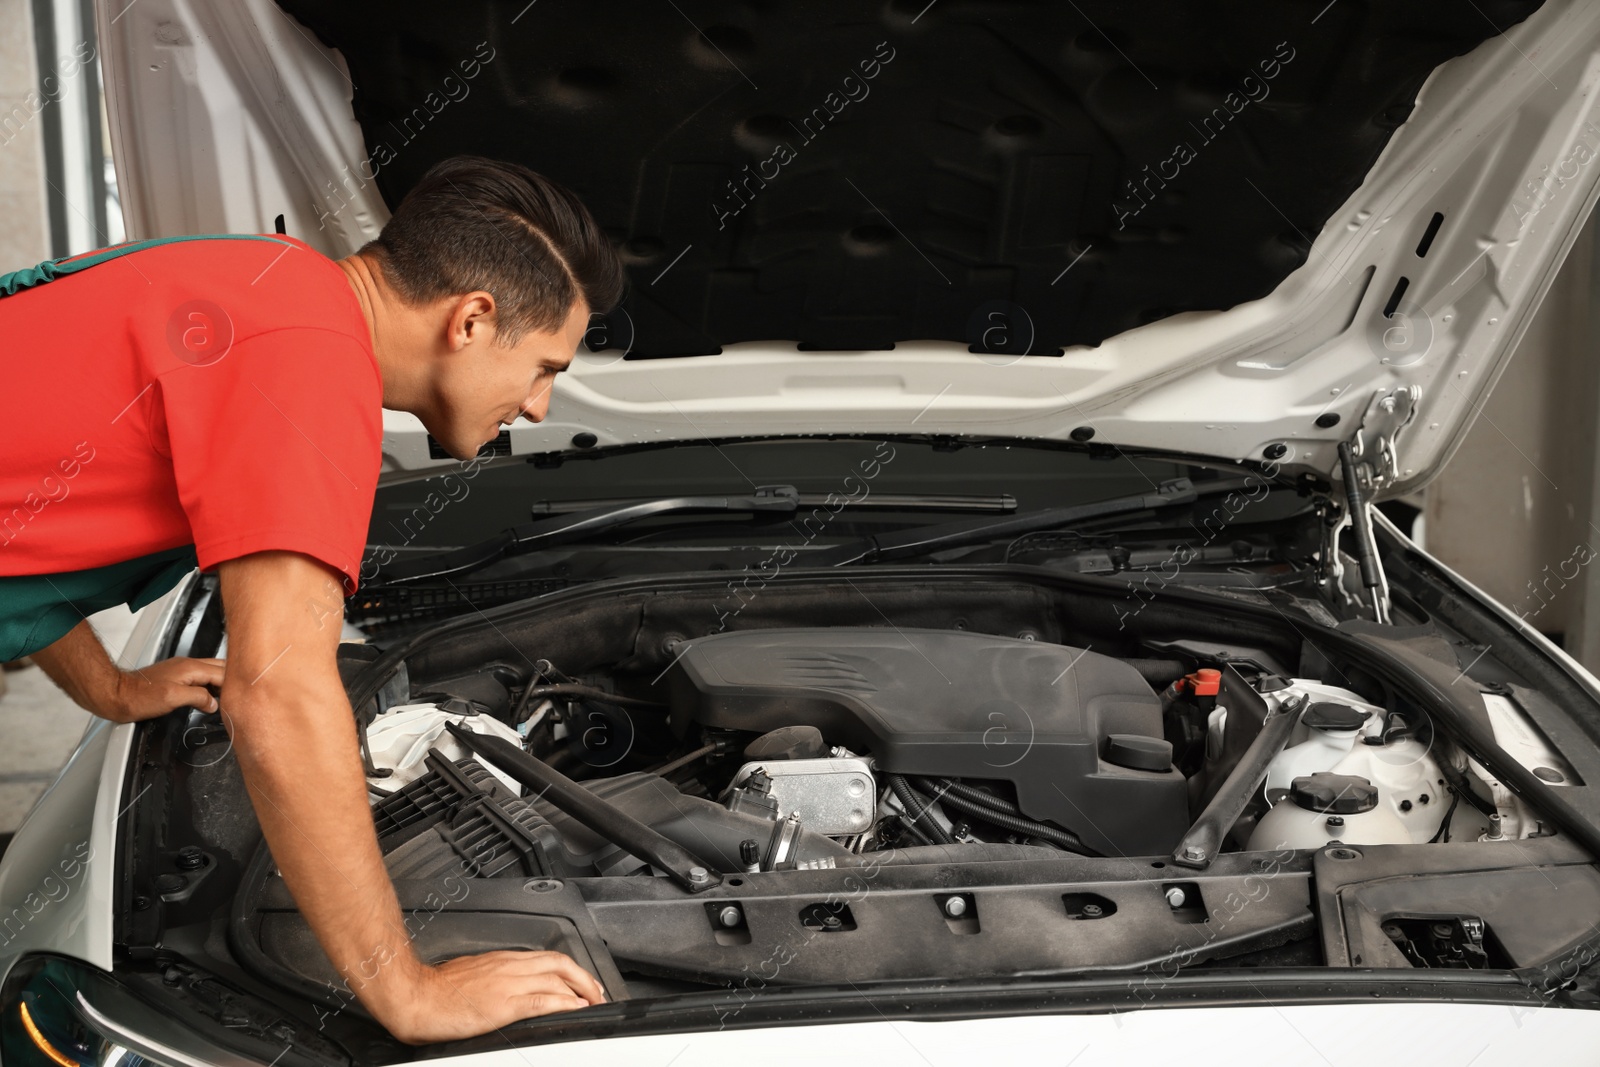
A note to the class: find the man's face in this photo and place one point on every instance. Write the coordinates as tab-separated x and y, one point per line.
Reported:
488	386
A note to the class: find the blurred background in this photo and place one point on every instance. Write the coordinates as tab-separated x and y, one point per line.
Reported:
1515	511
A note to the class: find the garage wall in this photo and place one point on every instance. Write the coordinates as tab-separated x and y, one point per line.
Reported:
24	230
1513	510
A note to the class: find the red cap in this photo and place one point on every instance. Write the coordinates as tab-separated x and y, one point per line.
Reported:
1204	682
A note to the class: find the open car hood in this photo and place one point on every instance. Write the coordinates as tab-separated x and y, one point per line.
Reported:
1239	233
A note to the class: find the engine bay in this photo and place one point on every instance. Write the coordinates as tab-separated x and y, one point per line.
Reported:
997	782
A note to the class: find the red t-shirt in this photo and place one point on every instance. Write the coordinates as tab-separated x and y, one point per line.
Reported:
216	392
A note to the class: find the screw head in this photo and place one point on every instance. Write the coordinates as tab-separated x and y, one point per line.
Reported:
1194	853
729	916
1176	898
698	874
190	858
545	885
1276	450
1092	911
832	922
955	907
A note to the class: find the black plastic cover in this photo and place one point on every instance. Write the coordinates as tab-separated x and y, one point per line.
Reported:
1140	753
1336	794
1327	715
953	704
1016	176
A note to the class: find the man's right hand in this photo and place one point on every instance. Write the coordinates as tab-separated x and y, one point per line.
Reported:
294	736
472	995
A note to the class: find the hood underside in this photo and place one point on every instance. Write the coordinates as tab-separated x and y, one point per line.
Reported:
846	178
1218	229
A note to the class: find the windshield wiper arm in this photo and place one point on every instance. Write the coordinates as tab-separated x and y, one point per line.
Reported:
991	503
923	539
563	528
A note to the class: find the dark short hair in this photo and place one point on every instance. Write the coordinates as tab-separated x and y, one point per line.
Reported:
472	223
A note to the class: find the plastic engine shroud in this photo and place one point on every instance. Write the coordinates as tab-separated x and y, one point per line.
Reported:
953	704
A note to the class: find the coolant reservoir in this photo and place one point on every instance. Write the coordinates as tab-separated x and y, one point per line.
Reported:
1324	807
1332	731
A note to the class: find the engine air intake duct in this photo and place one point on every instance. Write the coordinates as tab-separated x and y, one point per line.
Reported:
1051	720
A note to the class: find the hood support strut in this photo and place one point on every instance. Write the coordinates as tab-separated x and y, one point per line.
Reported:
1370	462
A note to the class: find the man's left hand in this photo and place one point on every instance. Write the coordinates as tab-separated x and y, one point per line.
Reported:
79	664
153	691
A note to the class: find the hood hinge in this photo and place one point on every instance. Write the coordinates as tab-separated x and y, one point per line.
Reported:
1370	462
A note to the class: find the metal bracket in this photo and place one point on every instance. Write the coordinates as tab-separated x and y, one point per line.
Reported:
1372	446
1371	462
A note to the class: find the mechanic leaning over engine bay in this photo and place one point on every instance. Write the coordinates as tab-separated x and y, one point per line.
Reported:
215	401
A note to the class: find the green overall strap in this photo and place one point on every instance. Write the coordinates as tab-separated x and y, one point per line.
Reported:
37	610
51	269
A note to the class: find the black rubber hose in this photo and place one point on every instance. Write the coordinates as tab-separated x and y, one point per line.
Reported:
588	692
1160	673
1443	832
967	792
684	760
916	807
1064	838
911	828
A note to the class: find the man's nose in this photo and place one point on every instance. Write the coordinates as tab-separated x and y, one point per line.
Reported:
537	405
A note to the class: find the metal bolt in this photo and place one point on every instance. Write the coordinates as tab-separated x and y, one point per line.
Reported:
955	907
832	922
1176	897
545	885
729	916
1194	853
698	874
1092	911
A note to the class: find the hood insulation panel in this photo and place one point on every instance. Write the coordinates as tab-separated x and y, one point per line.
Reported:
1017	176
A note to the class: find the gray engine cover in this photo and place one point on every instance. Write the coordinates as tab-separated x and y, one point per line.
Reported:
954	704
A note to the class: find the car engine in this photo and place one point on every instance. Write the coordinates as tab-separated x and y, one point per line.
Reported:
674	811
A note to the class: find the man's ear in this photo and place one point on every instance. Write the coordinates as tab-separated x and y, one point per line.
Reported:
471	320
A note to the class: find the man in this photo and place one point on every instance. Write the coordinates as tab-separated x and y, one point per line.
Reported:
216	402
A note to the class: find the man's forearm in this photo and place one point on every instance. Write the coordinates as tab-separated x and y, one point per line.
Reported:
294	738
82	667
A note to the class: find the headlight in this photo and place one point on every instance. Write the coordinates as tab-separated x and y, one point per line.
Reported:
54	1013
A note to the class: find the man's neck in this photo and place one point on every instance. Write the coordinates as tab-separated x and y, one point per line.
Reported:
381	307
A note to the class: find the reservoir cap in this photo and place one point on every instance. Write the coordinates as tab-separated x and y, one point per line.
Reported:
1330	716
1338	794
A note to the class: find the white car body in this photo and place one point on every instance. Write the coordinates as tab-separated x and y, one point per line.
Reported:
226	113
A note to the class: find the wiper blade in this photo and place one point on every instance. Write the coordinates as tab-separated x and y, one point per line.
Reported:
923	539
999	503
782	499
